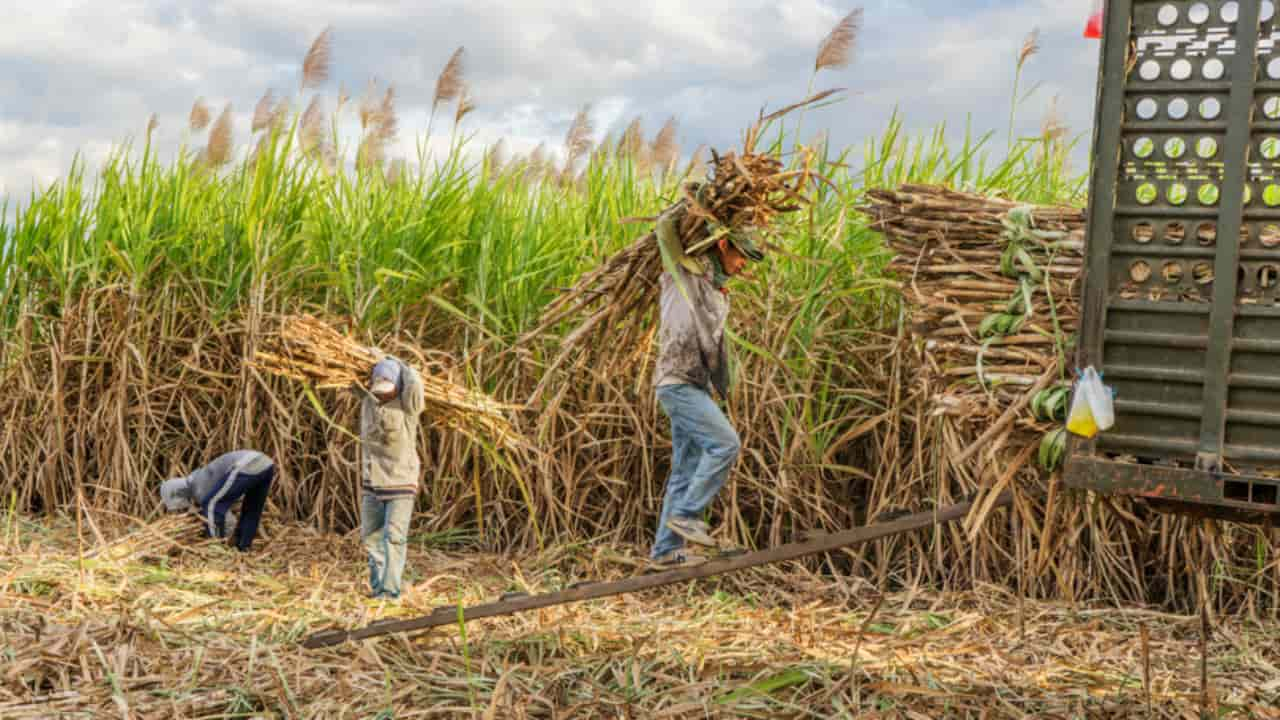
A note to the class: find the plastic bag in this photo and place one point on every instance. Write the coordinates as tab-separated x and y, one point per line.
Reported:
1092	406
1080	420
1093	26
1100	399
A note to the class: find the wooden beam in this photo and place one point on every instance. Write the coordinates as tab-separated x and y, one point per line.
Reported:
448	615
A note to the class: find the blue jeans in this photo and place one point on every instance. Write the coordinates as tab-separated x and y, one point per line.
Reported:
704	447
384	529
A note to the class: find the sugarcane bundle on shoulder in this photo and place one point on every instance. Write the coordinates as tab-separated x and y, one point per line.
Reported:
307	349
742	195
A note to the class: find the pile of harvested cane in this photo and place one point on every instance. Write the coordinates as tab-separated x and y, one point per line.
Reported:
993	288
309	350
169	535
743	190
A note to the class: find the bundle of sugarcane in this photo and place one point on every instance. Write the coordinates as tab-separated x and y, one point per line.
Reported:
309	350
164	536
914	215
993	288
746	190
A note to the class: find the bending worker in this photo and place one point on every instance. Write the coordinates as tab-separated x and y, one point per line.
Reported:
389	469
242	476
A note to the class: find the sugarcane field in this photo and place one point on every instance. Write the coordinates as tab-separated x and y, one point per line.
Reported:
327	391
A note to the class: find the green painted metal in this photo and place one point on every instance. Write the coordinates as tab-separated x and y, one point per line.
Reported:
1227	255
1181	295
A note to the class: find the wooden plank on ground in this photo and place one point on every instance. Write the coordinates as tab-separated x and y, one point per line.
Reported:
591	591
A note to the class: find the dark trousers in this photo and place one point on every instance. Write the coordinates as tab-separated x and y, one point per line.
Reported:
254	490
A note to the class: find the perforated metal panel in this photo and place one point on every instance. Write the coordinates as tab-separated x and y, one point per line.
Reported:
1181	299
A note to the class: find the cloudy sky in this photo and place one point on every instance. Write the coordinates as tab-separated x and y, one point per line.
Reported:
77	75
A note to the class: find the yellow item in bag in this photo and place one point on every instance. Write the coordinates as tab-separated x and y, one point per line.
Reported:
1080	419
1092	409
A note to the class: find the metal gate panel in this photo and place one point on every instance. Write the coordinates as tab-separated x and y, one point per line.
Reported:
1181	299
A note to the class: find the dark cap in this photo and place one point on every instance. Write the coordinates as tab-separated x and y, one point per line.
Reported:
746	241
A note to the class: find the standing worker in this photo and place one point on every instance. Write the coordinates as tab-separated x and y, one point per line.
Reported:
389	469
241	476
693	357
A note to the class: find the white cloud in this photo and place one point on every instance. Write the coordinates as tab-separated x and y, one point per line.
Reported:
100	69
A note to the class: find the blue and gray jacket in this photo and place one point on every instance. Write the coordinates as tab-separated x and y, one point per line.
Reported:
208	485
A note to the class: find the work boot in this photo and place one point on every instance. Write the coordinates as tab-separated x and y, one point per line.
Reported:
678	558
694	531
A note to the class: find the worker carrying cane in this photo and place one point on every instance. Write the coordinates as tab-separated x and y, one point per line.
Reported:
692	358
389	470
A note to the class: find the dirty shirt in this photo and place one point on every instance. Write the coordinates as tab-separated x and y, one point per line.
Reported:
691	342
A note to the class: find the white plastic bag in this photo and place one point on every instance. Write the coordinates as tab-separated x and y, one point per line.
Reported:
1100	401
1092	408
1080	418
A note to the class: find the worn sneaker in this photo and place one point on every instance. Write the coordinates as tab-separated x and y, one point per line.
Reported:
678	558
694	531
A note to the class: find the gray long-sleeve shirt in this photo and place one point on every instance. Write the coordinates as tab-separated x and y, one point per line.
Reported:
691	341
389	463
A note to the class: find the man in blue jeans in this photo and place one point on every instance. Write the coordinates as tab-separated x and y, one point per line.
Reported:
242	476
692	358
389	468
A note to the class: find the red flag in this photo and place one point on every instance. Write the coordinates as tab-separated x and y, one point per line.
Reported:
1093	27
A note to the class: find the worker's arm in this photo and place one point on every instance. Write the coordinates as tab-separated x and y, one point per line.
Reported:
215	506
412	394
670	246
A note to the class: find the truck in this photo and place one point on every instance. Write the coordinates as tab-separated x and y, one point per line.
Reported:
1181	294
